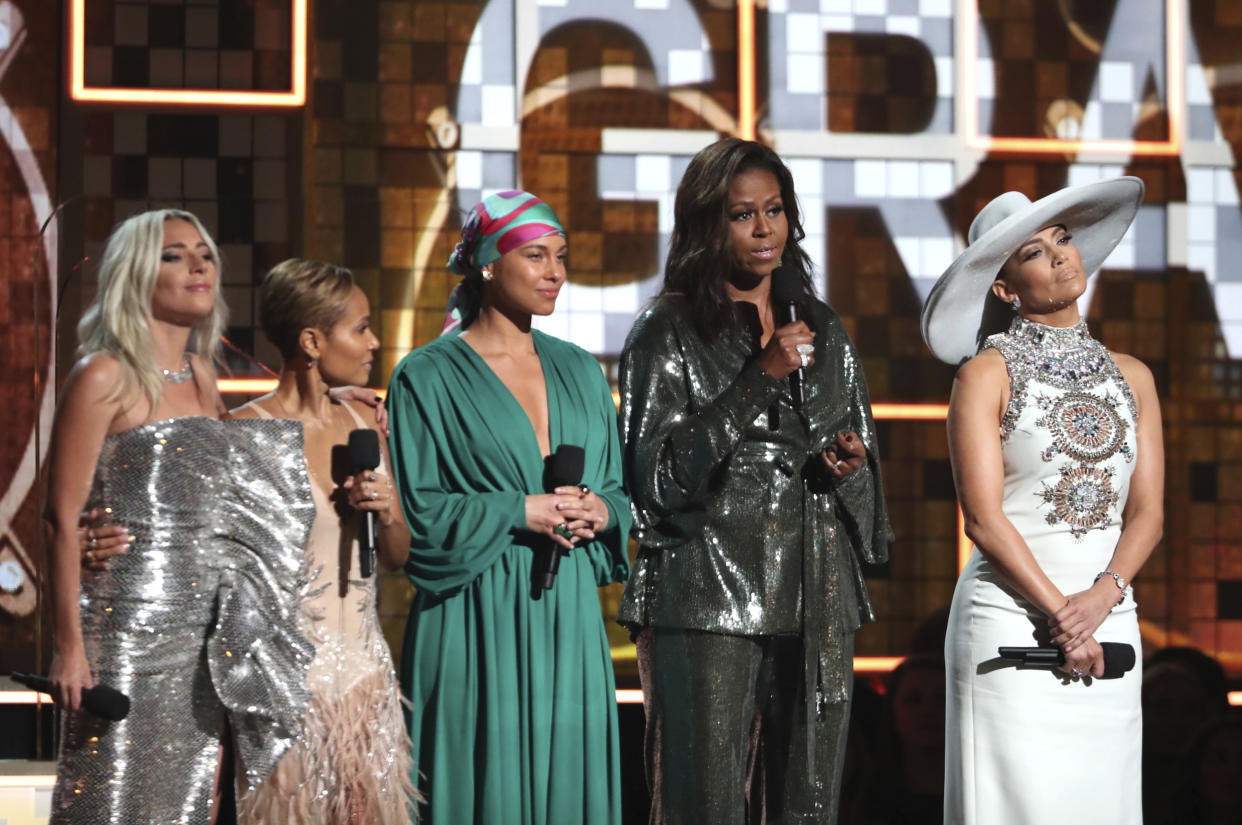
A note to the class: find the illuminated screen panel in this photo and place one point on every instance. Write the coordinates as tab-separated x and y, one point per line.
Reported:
80	91
1122	94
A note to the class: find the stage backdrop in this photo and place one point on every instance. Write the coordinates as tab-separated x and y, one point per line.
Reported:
899	118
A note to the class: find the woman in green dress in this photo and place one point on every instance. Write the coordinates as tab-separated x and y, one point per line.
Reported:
513	715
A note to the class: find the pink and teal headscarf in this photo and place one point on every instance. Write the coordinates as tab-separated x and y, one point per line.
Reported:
501	223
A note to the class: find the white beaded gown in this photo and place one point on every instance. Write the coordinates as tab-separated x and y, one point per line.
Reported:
1024	745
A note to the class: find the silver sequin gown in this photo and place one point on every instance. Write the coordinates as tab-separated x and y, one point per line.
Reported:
1025	746
196	623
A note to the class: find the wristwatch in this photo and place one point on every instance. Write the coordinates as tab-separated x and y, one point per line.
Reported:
1120	582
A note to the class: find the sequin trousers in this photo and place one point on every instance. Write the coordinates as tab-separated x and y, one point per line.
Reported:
197	623
1021	743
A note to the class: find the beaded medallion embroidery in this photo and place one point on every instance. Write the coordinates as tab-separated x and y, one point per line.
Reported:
1084	423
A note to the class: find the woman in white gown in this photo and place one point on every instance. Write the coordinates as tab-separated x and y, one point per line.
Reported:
1057	456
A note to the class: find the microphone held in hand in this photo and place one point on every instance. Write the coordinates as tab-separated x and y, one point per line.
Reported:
564	469
1118	657
364	454
787	291
101	700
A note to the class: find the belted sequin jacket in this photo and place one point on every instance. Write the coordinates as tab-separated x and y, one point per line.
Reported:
741	530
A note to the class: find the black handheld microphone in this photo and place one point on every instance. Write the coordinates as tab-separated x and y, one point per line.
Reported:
101	700
364	454
564	469
1118	657
787	291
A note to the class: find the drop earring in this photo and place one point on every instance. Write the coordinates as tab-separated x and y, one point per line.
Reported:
1016	303
487	275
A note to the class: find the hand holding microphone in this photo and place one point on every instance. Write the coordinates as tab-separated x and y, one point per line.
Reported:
365	494
100	700
1118	658
791	348
544	514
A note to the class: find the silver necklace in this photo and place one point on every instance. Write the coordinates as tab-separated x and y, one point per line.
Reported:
179	376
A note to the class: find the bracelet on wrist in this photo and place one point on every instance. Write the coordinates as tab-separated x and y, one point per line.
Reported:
1117	580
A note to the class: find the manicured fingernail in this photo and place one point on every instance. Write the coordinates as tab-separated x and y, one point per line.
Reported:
378	399
849	438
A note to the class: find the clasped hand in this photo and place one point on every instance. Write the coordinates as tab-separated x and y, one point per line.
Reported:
1082	615
579	510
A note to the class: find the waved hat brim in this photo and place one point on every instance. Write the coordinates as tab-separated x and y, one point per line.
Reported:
1096	214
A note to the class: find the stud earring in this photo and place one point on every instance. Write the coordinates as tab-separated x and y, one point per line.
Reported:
1016	303
487	274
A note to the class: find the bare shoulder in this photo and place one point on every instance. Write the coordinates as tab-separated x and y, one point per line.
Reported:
1136	373
986	368
246	410
1138	376
93	379
364	411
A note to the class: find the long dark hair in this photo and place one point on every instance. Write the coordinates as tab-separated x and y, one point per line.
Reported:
700	254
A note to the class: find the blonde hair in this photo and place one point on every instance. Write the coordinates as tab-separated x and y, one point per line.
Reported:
119	320
298	294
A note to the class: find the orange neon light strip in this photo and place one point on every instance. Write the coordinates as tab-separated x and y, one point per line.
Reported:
876	664
1059	146
964	544
37	780
911	412
24	697
78	90
250	386
260	386
746	69
1235	698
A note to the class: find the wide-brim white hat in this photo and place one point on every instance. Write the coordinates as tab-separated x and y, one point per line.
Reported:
1096	214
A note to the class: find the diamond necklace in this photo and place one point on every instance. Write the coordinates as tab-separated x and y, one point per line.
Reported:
179	376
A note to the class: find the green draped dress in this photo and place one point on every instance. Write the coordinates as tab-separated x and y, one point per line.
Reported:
513	714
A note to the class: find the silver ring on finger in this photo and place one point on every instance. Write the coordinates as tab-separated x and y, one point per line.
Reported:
374	494
806	360
1078	673
93	542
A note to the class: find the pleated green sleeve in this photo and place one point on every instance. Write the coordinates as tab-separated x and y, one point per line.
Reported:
462	516
586	415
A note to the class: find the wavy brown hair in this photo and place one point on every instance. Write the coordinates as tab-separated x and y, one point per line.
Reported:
700	255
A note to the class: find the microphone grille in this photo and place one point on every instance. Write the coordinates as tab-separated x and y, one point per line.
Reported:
565	466
787	286
1118	658
364	449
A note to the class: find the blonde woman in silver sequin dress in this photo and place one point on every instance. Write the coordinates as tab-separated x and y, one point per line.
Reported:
351	763
196	622
1057	455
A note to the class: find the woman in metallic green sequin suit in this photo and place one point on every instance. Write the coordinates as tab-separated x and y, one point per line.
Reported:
753	517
